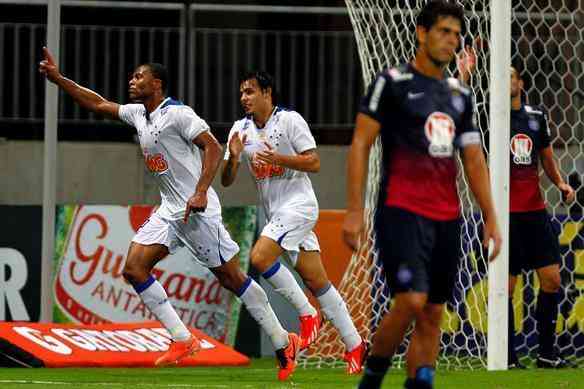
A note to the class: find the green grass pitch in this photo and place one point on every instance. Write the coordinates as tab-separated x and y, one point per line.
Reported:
262	374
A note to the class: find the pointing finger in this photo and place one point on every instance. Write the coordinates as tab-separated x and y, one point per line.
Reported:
48	56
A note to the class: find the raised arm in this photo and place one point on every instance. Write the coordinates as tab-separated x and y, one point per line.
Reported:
85	97
466	62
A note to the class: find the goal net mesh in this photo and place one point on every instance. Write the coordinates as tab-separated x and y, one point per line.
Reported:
547	43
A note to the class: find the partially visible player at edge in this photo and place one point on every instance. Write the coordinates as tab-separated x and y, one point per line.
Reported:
280	150
190	213
533	243
421	116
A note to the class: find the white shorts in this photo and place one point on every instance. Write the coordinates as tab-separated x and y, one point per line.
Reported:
293	232
205	237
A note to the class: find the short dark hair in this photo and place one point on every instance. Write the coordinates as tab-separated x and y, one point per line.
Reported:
518	69
434	9
264	80
159	71
521	73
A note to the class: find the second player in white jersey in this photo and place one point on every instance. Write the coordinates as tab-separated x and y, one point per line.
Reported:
280	151
285	194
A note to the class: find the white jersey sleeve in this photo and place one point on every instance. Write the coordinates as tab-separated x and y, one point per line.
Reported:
300	136
189	124
128	113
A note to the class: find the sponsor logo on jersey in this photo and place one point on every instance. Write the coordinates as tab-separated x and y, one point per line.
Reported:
439	130
156	163
521	147
261	171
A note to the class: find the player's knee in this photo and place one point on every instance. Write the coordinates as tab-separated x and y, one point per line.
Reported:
133	272
512	283
551	283
316	284
433	316
235	281
411	306
259	261
231	280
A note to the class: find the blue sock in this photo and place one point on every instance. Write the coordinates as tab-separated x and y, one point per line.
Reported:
374	372
141	287
424	377
546	314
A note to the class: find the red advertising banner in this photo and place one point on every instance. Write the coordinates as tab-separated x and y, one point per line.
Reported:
89	287
103	345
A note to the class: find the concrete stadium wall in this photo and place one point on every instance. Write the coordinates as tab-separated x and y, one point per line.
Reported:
114	173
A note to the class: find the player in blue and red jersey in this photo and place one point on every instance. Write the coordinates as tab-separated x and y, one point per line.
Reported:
422	118
533	242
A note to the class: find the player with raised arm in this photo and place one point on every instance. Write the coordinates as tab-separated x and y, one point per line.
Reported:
280	150
422	118
190	213
533	243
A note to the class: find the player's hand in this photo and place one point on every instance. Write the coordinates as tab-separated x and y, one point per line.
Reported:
466	63
48	67
568	193
352	228
236	144
196	203
491	233
267	156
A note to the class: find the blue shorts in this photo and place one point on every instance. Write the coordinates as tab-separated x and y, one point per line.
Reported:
533	241
418	254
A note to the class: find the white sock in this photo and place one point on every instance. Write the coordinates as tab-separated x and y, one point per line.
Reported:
256	301
155	298
285	285
335	310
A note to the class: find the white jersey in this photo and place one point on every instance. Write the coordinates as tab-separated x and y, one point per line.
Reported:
279	188
166	138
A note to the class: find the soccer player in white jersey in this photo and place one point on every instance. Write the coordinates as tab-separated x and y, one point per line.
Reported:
190	213
280	152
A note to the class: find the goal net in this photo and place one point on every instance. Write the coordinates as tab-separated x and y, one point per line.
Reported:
545	41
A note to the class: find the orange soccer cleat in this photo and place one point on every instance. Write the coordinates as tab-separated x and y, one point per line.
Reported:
355	359
309	326
179	350
287	357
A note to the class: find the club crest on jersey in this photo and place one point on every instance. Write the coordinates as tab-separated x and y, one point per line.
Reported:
533	124
521	146
439	130
458	102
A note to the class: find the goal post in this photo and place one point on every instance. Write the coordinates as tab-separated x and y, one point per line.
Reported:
500	120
